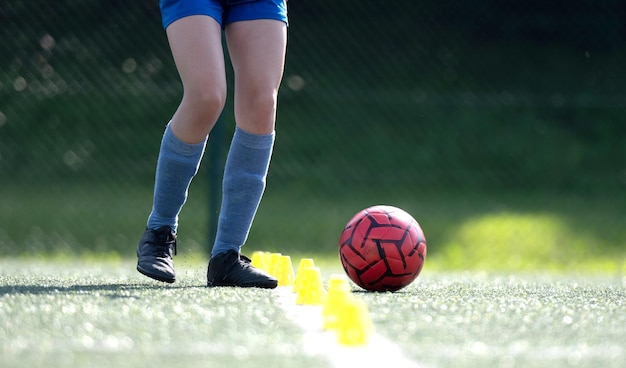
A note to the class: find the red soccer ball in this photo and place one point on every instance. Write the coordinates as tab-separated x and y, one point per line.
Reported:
382	248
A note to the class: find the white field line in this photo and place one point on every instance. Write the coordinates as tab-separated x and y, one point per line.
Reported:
378	352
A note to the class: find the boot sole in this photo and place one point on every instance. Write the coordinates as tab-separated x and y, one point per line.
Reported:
161	278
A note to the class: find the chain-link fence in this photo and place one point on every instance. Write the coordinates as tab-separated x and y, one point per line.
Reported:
378	97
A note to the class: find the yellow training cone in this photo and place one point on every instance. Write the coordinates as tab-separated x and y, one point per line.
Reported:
304	263
284	271
274	263
339	293
259	260
354	325
312	288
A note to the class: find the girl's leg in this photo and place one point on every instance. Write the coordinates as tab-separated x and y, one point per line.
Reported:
196	45
197	49
257	50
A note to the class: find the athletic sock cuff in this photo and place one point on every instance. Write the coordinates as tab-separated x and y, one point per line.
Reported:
180	147
254	141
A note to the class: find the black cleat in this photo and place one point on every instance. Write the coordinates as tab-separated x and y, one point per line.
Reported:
154	254
234	269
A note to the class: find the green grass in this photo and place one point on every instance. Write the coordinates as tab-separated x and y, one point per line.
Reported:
102	314
73	313
476	231
495	320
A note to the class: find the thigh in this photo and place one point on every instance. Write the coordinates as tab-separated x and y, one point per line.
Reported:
257	52
196	45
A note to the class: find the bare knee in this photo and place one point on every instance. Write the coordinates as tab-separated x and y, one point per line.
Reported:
205	104
197	114
257	113
264	105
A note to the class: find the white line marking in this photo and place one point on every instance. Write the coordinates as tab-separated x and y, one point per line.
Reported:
379	352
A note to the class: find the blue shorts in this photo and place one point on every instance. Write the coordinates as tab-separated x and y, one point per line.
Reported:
223	11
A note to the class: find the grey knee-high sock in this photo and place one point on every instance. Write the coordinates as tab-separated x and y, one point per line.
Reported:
177	165
243	186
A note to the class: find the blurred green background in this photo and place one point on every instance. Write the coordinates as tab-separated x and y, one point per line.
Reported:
499	125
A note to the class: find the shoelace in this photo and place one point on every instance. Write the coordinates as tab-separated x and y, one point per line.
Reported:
245	259
162	246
